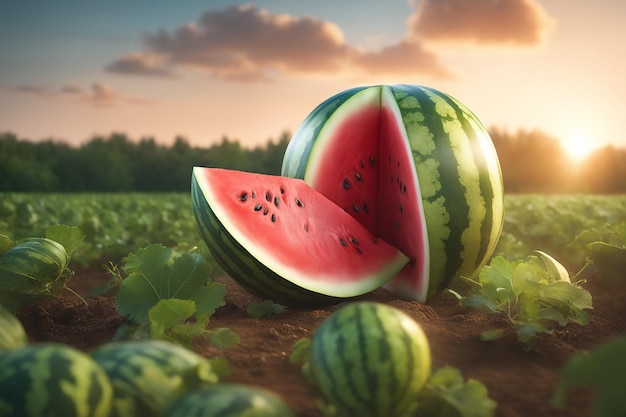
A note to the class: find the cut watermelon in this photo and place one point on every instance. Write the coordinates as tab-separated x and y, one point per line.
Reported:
284	241
416	168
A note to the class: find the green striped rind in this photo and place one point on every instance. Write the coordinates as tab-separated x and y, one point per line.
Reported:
230	400
28	266
241	265
460	181
370	360
12	335
297	152
51	379
148	375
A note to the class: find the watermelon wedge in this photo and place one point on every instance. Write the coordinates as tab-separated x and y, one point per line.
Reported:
284	241
416	168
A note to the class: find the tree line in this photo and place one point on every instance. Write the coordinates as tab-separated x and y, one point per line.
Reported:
531	161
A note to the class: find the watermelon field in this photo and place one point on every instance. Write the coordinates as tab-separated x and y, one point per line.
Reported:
519	355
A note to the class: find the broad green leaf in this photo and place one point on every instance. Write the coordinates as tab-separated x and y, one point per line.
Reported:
603	369
300	351
168	312
153	276
209	298
12	335
264	309
222	337
70	237
447	395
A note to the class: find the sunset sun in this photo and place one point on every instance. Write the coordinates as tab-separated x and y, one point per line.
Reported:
578	146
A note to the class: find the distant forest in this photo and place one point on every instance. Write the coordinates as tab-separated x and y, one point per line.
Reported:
532	162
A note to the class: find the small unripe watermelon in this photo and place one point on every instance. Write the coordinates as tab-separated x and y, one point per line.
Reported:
370	360
230	400
148	375
52	380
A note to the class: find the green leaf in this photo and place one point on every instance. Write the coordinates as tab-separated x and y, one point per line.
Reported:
153	276
209	298
300	351
447	395
603	369
70	237
5	243
167	313
265	309
222	337
12	335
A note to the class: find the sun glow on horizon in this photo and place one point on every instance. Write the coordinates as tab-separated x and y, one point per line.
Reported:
578	146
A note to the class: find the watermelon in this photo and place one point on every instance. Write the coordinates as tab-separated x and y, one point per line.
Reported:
370	360
148	375
286	242
416	168
51	379
13	335
230	400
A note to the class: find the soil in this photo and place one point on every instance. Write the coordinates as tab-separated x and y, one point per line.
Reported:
521	382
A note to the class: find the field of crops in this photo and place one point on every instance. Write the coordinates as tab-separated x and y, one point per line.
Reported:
586	233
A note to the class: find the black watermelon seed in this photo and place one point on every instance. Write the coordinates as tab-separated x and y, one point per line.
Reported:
362	164
265	211
299	203
353	240
360	252
243	196
276	201
306	227
356	208
343	242
398	164
372	163
258	207
267	196
404	189
253	194
366	209
401	208
282	189
346	184
273	218
397	224
358	177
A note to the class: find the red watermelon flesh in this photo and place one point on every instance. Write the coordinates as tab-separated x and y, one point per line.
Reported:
373	173
288	228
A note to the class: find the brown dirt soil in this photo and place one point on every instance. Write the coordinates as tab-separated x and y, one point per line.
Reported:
521	382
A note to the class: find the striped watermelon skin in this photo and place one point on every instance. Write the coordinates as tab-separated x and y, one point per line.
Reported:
230	400
237	261
148	375
51	379
371	360
460	199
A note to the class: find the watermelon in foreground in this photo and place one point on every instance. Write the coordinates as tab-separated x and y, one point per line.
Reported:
416	168
370	360
284	241
51	379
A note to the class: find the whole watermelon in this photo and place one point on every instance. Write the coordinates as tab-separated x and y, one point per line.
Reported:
148	375
52	380
230	400
370	360
416	168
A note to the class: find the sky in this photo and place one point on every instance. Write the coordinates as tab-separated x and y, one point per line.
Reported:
203	70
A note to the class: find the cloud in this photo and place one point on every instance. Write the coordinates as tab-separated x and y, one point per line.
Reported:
522	23
246	44
98	95
138	63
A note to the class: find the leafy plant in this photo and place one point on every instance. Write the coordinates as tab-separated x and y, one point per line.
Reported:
37	267
169	296
264	309
606	248
603	369
536	296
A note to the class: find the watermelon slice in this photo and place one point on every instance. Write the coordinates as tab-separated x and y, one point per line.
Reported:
416	168
284	241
